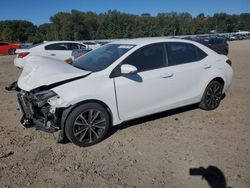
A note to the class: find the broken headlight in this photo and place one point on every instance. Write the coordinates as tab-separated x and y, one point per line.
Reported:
41	98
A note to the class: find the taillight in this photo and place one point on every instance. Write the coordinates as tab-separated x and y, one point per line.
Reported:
229	62
23	54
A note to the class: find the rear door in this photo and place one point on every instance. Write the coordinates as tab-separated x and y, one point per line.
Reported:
189	65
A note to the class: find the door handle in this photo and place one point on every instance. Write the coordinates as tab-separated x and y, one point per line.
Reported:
167	75
207	66
53	54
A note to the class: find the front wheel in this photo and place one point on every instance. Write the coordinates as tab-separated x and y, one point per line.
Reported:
212	96
87	124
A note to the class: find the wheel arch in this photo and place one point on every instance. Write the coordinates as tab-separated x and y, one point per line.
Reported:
202	103
67	111
218	78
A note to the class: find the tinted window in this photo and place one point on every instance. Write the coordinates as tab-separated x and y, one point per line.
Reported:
147	58
102	57
199	54
82	46
180	53
59	46
73	46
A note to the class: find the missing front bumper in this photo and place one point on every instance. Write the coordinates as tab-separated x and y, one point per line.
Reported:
39	118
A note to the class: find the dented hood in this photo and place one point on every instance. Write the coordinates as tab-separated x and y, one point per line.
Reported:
43	71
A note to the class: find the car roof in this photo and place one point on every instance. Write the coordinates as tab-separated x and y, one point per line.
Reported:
145	41
54	42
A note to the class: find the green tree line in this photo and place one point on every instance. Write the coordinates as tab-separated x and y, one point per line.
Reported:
77	25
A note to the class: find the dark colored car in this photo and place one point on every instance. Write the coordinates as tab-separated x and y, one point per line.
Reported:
216	43
8	48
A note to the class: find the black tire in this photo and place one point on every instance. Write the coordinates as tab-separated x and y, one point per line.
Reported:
12	51
212	96
87	124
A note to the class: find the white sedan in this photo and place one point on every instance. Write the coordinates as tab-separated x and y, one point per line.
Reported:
60	50
118	82
91	44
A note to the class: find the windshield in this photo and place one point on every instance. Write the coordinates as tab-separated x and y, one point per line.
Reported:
102	57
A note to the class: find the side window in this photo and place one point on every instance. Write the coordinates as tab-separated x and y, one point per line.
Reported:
147	58
180	53
200	54
59	46
82	46
73	46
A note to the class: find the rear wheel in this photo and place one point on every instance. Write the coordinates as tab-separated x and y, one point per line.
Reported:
87	124
212	96
11	51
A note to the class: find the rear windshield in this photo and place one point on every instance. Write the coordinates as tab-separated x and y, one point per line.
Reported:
102	57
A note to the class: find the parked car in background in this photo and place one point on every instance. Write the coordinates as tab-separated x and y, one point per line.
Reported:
118	82
216	43
103	42
26	45
91	44
232	37
8	48
76	54
59	50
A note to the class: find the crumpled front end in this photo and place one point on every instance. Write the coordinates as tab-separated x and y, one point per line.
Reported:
37	112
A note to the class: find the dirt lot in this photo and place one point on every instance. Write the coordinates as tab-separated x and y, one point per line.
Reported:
156	151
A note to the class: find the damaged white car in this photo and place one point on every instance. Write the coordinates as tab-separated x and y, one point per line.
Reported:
118	82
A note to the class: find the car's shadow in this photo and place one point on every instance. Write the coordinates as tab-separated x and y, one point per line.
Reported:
152	117
63	139
148	118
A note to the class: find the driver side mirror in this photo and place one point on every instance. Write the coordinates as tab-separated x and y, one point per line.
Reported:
128	69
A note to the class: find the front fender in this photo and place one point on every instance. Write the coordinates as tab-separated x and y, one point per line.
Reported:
90	89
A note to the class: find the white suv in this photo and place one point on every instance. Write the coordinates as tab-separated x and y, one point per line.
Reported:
118	82
60	50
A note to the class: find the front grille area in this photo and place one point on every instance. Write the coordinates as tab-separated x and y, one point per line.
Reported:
39	117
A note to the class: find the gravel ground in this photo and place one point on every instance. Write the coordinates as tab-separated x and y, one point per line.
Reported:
156	151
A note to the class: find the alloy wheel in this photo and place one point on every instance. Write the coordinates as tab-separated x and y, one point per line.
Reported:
12	51
89	126
213	95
